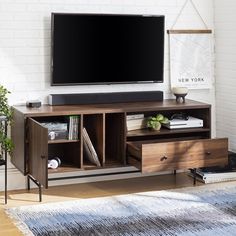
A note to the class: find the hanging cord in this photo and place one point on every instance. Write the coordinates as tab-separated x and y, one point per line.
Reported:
180	12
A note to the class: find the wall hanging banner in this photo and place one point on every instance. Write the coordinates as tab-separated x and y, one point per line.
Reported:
190	58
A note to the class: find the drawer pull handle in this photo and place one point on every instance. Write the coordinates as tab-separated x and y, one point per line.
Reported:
208	153
43	157
163	158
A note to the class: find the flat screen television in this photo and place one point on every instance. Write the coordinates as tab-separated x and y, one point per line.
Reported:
106	48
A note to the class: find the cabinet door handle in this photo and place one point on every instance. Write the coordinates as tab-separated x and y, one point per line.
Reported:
208	152
163	158
43	157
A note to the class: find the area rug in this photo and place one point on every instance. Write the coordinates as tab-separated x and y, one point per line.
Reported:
205	210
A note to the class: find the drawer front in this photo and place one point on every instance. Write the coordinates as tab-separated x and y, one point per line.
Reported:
183	154
161	156
209	152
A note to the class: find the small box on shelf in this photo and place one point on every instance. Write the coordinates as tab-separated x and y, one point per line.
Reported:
56	130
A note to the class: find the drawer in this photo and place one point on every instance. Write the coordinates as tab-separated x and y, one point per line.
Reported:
161	156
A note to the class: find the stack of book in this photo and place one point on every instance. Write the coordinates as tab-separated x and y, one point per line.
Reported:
73	127
89	149
136	121
214	174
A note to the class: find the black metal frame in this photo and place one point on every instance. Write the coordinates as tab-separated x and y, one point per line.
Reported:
4	162
194	175
30	177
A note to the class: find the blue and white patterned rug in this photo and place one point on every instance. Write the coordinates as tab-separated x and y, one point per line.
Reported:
205	210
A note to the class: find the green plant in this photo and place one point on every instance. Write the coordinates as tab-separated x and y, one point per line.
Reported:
155	122
6	112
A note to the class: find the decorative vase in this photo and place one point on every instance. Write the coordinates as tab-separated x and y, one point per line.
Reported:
157	128
180	93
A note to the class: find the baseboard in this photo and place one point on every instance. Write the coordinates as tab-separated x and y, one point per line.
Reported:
15	179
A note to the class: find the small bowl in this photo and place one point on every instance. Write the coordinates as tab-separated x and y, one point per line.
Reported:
180	93
180	90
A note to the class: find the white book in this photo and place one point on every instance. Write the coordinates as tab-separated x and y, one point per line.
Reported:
134	116
135	127
136	121
91	147
212	180
220	175
70	128
136	124
218	180
88	152
208	173
73	127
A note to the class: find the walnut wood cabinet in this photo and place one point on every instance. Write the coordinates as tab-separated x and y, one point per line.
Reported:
149	151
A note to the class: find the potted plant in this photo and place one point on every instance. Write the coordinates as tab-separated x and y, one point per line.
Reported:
155	122
6	144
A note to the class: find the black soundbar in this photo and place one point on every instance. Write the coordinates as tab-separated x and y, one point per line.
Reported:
101	98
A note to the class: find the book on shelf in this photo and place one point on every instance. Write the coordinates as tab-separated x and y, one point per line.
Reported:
211	180
134	124
89	149
214	174
134	116
73	129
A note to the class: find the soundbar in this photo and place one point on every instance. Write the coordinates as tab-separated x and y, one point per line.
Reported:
101	98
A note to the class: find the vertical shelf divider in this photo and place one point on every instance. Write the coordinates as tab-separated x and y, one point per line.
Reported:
103	140
81	125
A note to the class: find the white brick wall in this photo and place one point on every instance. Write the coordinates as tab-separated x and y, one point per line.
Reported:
25	43
225	38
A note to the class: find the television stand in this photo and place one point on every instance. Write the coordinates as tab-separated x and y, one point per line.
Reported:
119	151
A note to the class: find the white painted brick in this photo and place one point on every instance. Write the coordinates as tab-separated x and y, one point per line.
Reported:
99	2
123	2
144	3
225	33
13	7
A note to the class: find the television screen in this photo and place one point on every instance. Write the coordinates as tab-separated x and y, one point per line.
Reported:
95	48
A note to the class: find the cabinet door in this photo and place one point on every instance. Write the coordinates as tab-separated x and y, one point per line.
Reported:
38	152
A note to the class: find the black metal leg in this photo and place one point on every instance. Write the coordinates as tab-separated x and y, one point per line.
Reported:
6	182
194	176
37	183
174	172
40	193
5	166
28	182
